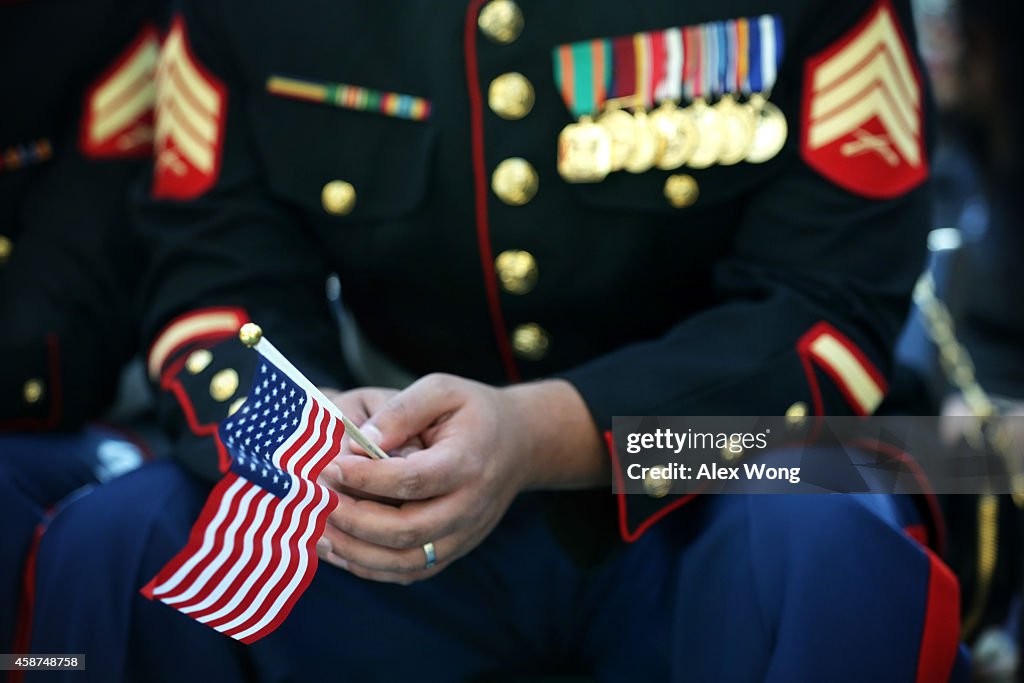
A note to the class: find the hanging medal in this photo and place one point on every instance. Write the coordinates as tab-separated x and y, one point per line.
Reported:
584	148
764	55
647	146
619	126
672	124
622	94
705	118
584	152
678	132
737	119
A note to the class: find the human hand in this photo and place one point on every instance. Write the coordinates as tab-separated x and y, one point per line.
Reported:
357	405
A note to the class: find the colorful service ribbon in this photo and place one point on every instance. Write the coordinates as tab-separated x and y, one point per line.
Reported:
765	53
583	74
345	96
27	154
670	87
700	61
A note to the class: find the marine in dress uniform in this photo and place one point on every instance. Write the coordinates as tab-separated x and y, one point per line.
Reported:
76	129
991	328
676	208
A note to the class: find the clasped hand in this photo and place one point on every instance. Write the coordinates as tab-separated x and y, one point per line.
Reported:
462	454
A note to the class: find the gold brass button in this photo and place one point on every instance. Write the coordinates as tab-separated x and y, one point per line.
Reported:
517	271
511	96
338	198
33	391
224	385
681	190
658	487
796	415
530	341
6	247
515	181
235	405
198	361
733	450
501	21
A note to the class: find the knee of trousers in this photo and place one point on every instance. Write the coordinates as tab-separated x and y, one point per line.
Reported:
48	467
157	503
97	550
802	535
849	573
844	555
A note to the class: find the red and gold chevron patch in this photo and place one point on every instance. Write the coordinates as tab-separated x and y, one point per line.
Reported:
863	123
118	116
191	108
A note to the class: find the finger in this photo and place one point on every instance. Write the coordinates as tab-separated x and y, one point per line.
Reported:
411	411
404	579
349	402
356	551
423	474
361	495
357	405
352	406
411	446
399	528
331	476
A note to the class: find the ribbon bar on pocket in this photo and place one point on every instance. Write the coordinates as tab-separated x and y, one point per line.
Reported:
357	98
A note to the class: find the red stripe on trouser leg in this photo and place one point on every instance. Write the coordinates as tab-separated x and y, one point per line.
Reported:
23	632
918	532
940	637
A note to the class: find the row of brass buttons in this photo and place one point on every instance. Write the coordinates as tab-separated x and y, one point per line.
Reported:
514	181
33	391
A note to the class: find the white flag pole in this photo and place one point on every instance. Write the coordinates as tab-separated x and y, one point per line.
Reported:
252	336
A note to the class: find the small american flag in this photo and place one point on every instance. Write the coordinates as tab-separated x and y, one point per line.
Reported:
252	552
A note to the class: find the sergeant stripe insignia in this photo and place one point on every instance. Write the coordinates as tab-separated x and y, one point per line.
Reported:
118	117
352	97
627	94
28	154
190	114
862	110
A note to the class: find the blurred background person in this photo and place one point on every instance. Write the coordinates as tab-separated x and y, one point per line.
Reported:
75	129
972	52
991	319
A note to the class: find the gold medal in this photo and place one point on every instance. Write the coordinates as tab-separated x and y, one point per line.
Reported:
647	146
622	131
738	126
677	132
770	130
584	152
709	134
